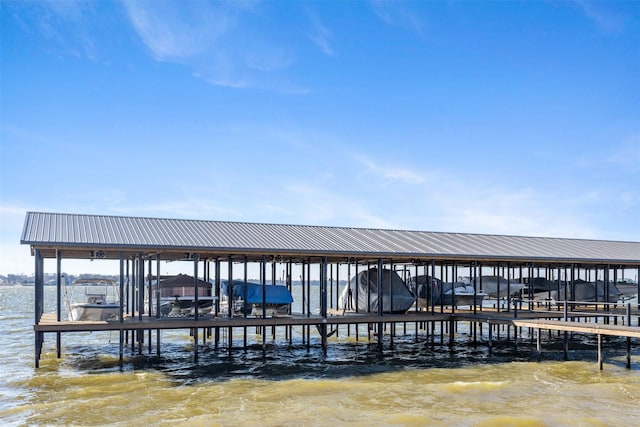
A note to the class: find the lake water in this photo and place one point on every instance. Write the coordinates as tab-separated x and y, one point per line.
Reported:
418	383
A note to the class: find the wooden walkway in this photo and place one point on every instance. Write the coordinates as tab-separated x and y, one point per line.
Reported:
527	318
48	323
586	328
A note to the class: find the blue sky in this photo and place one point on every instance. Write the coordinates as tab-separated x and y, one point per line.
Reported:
485	117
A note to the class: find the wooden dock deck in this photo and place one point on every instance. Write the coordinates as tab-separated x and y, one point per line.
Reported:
49	323
536	318
580	327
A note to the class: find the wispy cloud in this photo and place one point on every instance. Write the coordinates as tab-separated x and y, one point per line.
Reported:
212	38
317	204
444	199
178	32
452	205
603	14
391	172
66	24
500	209
398	14
320	34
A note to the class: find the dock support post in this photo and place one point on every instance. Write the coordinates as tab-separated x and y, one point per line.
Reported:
474	329
323	302
58	301
566	346
490	337
451	331
195	343
122	333
140	285
539	343
216	331
628	353
140	340
196	303
39	342
628	338
58	345
380	304
600	351
39	304
121	349
263	283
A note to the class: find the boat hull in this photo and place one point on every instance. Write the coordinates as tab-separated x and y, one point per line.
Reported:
185	306
95	312
469	299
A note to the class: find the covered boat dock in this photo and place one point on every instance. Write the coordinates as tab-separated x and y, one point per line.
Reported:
317	261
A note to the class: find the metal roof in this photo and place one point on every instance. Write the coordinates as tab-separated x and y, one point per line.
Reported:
75	234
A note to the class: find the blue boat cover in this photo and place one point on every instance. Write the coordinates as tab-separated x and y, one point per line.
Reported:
274	294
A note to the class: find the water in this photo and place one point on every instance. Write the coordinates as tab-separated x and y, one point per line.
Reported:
417	384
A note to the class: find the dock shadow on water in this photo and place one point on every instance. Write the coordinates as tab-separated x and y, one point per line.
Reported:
285	362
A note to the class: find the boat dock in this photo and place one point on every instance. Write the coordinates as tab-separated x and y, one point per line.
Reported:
583	320
534	284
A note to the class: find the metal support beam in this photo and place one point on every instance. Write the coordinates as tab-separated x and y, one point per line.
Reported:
196	259
121	313
490	327
263	282
628	323
38	303
323	302
230	299
158	293
380	303
600	362
58	300
140	286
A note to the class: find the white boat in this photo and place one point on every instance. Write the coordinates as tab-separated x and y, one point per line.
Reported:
95	306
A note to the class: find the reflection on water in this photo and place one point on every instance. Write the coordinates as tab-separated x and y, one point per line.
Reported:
416	383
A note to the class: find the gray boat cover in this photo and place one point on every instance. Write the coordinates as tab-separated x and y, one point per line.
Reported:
587	291
362	291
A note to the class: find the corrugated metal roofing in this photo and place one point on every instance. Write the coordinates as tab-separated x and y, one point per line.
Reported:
74	230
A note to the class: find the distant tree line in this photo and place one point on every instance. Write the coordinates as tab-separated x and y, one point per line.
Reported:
49	279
